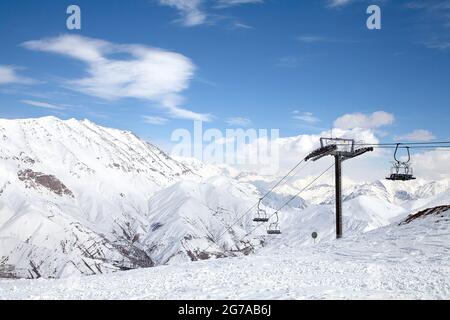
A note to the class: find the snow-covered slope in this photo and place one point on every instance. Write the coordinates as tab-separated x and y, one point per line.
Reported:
399	261
366	206
74	198
360	215
190	210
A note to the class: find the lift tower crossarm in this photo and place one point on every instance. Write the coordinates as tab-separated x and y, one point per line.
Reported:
321	152
357	153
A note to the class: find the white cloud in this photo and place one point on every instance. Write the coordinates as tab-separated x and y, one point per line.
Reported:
230	3
307	117
338	3
194	12
155	120
369	167
292	149
9	75
240	25
273	155
238	121
312	39
441	44
417	136
144	73
190	11
433	9
365	121
180	113
432	165
321	39
303	144
40	104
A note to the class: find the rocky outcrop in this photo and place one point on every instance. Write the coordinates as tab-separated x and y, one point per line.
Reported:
35	179
441	211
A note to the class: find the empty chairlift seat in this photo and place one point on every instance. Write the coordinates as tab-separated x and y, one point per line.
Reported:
274	227
401	170
261	214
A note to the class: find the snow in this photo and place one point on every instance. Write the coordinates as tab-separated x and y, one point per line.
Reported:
396	262
111	175
132	206
189	210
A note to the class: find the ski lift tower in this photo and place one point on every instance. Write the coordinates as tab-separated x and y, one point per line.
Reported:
341	150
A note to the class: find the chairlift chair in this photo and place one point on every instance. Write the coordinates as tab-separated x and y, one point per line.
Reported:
401	170
274	228
261	214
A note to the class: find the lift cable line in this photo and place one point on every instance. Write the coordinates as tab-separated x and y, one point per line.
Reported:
403	143
305	188
437	147
277	212
411	145
261	214
260	200
282	179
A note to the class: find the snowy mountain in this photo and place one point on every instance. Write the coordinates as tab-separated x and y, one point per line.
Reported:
322	193
77	198
190	210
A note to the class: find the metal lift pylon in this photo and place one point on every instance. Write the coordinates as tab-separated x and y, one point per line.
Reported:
341	150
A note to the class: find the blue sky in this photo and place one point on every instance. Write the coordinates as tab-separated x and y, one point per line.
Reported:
288	64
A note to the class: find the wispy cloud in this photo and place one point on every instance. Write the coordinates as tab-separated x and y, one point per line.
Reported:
155	120
338	3
231	3
307	117
9	75
436	9
430	5
435	13
419	135
190	11
312	39
322	39
239	122
147	73
441	44
180	113
198	12
240	25
45	105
